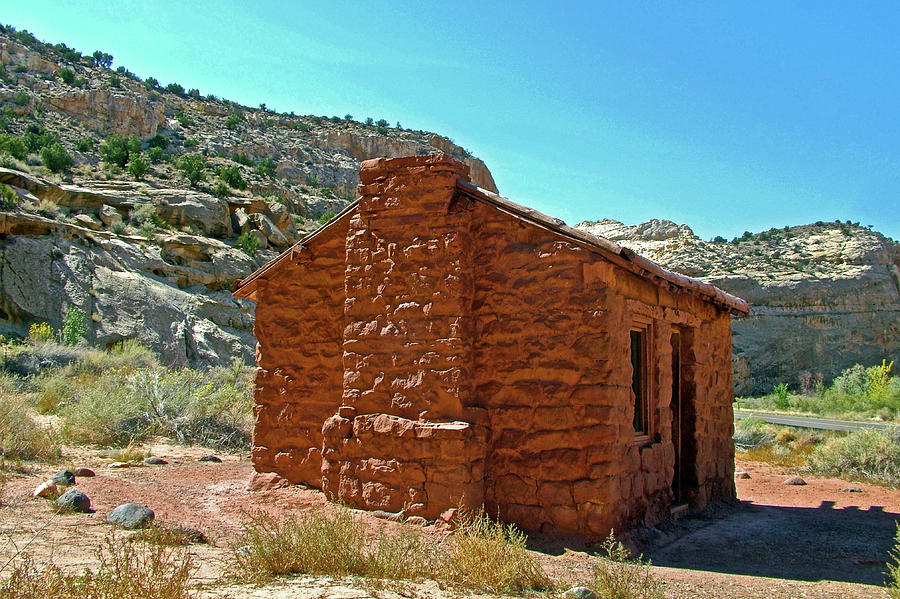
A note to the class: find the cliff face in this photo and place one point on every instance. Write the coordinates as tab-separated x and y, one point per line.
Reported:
823	297
153	257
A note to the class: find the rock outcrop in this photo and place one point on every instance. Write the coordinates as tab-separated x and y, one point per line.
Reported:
823	296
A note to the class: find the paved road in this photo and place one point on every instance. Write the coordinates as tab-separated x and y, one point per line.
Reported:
807	422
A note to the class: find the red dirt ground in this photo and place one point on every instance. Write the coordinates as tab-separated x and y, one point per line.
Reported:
779	541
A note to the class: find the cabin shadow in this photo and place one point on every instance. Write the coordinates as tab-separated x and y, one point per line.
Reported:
824	543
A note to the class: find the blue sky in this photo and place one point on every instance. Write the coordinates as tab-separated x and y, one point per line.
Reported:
725	116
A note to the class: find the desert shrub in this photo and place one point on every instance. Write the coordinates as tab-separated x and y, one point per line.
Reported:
85	144
20	437
157	155
119	149
8	197
67	75
124	356
781	396
38	332
616	576
176	88
151	83
242	159
170	536
326	217
158	141
893	567
221	190
492	556
752	432
125	570
115	80
231	175
872	454
312	179
54	388
248	243
266	167
334	544
74	326
192	166
233	121
122	406
36	137
14	146
183	119
55	157
852	381
21	98
137	167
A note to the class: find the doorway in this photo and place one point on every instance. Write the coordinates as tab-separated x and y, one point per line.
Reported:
684	479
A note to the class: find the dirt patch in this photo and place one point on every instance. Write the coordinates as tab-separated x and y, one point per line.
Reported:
815	541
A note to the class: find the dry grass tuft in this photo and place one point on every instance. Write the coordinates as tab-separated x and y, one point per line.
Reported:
169	536
616	576
21	438
152	572
492	556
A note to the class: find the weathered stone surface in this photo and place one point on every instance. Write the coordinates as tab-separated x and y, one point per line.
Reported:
46	489
88	221
268	228
63	477
184	208
109	111
795	480
266	481
74	500
109	215
84	472
155	461
131	516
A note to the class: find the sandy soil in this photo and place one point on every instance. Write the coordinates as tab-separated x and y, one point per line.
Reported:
779	541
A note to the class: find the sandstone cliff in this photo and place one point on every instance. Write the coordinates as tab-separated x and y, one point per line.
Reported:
823	296
155	258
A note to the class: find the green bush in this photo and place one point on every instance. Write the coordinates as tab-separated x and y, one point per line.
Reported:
191	143
8	197
192	166
248	243
151	83
85	144
266	167
242	159
893	566
176	88
157	155
138	167
233	121
158	141
74	326
14	146
36	138
115	80
232	176
183	119
326	217
21	98
67	75
56	158
119	149
781	396
752	432
870	454
221	190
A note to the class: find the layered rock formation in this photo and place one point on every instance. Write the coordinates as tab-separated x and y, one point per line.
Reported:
823	296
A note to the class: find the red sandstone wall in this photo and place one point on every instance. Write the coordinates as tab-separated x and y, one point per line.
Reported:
299	327
405	439
552	368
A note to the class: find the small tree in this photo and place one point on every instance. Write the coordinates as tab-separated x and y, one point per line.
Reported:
138	166
102	59
232	176
55	157
248	243
74	326
236	118
192	167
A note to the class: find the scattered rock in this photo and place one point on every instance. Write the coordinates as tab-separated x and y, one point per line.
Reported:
741	475
580	593
46	489
211	458
155	461
63	477
119	465
795	480
84	472
74	500
109	215
852	490
391	516
88	222
266	481
416	521
450	515
131	515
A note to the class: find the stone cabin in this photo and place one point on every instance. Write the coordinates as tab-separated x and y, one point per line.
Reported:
436	345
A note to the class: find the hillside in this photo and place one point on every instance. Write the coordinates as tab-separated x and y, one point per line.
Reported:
823	296
150	255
